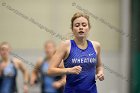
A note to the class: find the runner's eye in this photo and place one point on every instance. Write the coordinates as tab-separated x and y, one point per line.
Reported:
77	25
84	24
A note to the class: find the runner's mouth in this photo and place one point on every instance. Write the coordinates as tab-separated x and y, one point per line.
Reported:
80	32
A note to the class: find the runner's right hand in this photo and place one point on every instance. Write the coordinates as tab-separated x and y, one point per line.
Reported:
74	70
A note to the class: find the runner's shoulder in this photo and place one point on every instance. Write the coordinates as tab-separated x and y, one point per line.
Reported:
65	44
17	62
96	44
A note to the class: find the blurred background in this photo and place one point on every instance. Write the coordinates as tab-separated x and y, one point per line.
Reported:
27	24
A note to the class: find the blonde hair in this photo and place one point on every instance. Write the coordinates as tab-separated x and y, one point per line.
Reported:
4	43
77	15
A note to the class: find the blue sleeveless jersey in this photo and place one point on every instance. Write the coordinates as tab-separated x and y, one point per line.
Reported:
46	80
8	79
86	58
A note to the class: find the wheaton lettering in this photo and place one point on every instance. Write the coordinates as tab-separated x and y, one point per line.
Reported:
83	60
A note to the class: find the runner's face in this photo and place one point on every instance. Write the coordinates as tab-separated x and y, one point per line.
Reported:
49	49
80	27
4	51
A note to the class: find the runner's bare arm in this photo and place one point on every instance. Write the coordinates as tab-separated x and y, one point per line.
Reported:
35	71
56	60
24	71
20	65
99	67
